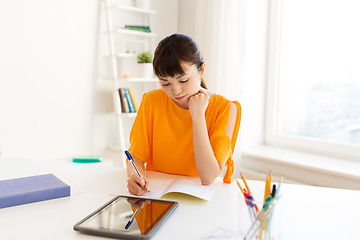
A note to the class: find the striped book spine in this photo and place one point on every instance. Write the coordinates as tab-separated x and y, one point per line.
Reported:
124	102
133	98
130	102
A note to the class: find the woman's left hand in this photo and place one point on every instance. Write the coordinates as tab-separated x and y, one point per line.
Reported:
198	104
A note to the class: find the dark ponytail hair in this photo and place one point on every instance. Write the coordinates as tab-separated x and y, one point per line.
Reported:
173	50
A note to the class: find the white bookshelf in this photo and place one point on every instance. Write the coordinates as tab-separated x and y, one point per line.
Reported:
135	33
134	9
119	57
141	79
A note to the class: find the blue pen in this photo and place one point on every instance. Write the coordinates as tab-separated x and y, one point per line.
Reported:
131	160
132	219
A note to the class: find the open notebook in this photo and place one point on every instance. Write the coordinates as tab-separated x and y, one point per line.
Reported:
162	184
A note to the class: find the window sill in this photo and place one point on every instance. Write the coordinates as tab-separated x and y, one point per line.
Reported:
303	167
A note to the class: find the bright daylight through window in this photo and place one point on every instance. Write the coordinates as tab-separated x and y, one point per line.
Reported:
318	88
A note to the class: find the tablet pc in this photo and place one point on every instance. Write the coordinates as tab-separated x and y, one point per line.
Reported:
127	217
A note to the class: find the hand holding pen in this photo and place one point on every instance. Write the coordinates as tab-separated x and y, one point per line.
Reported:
137	184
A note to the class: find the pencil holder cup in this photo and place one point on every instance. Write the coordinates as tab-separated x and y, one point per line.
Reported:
267	222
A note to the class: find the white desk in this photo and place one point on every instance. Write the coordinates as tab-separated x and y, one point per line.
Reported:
307	212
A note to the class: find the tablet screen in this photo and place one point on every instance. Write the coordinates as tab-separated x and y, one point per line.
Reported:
127	215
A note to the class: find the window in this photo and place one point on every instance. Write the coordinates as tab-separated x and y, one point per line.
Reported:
314	76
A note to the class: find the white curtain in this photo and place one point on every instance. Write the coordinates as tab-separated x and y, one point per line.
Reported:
232	35
219	30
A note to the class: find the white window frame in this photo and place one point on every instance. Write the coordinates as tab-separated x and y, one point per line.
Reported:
323	147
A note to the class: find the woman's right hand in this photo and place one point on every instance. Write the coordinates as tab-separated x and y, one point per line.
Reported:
198	104
138	186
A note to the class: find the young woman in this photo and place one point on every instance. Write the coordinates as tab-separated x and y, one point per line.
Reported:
183	127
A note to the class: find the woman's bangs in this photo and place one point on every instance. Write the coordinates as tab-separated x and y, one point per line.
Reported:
168	65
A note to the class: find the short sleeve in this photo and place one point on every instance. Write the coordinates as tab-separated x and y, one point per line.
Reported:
219	140
140	133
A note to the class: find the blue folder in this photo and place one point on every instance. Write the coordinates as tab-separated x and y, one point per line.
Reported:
25	190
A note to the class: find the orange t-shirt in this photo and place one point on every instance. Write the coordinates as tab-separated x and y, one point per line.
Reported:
162	134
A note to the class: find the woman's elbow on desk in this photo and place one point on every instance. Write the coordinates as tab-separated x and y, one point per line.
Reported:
207	182
209	176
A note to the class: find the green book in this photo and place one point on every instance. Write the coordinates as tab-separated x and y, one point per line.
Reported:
86	160
138	28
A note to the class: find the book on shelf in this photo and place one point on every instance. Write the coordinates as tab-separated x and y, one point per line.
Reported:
130	102
133	98
123	101
18	191
138	28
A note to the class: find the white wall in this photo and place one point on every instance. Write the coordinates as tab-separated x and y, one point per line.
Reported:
166	21
46	74
47	71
